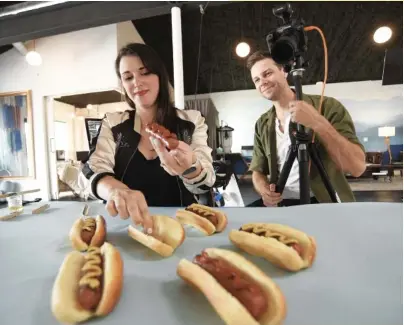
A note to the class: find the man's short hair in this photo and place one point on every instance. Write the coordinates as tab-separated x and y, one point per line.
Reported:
258	56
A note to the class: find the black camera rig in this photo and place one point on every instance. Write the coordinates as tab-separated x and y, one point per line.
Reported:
287	45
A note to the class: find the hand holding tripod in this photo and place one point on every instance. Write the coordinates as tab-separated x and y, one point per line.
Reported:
287	44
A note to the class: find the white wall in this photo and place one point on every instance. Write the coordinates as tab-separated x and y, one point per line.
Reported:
112	107
77	62
241	109
80	135
65	113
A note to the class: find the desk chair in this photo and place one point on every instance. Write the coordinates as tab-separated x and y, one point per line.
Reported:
238	163
246	153
223	172
386	170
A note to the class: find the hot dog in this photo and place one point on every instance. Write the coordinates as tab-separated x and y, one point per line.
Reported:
167	235
237	289
204	218
87	232
284	246
169	139
87	285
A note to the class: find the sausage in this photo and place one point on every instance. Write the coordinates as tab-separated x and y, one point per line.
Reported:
169	139
242	288
91	282
88	230
204	214
89	298
265	232
297	248
87	235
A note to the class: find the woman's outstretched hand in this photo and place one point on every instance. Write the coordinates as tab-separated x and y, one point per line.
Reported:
130	203
176	161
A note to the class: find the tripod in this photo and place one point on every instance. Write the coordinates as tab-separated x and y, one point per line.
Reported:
302	148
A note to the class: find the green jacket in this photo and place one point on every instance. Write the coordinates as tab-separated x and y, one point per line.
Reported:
264	158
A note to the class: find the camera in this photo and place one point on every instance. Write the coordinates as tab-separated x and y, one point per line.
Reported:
287	43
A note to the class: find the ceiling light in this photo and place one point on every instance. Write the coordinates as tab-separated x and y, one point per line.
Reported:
382	34
242	49
33	58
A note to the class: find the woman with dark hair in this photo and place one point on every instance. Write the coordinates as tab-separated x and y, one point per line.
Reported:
131	171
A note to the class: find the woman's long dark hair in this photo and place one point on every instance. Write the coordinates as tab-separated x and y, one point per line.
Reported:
166	113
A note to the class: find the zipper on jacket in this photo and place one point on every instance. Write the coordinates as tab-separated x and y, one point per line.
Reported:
179	187
127	165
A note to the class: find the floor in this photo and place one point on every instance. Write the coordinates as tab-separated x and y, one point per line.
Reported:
364	190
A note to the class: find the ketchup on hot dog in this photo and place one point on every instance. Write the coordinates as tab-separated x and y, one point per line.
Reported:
243	289
169	139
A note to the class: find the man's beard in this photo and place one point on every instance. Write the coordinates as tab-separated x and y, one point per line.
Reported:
274	95
278	92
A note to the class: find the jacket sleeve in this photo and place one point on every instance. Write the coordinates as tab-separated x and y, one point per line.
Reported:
259	162
101	161
341	120
205	180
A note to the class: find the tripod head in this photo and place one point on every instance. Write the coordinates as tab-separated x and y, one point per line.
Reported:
288	43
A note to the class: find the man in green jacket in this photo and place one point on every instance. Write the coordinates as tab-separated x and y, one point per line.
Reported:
338	146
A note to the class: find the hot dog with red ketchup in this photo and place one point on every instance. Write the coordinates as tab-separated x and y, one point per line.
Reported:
158	131
236	288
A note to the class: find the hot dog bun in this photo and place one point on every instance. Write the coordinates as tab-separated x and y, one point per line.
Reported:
229	308
270	241
197	215
167	235
64	303
98	238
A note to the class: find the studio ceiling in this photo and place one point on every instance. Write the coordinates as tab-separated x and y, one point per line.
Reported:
348	28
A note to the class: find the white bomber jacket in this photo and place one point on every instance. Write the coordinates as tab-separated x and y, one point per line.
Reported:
119	136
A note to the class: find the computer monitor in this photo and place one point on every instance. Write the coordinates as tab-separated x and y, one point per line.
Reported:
92	128
82	156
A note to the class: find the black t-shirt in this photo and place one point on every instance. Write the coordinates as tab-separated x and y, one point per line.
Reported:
158	187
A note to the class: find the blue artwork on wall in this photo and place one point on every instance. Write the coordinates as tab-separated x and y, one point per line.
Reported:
16	147
368	116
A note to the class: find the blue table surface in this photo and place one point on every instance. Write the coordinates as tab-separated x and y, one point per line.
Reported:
356	278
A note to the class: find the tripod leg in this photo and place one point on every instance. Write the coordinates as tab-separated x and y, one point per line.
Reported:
283	176
304	184
324	176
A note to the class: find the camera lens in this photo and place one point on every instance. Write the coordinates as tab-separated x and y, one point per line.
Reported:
283	50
